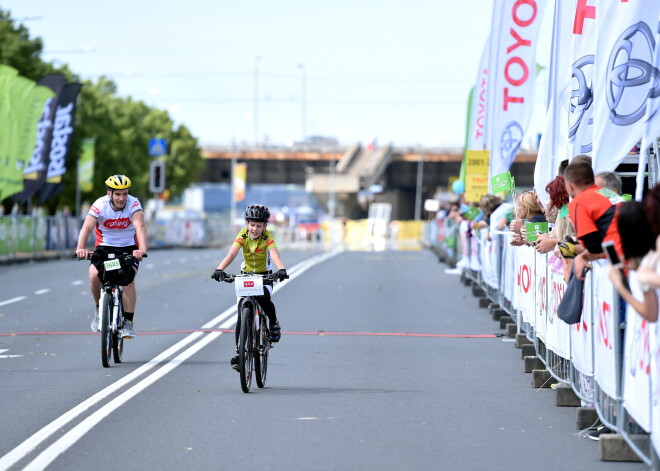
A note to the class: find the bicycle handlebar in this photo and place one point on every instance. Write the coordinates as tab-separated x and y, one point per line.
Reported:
230	278
124	256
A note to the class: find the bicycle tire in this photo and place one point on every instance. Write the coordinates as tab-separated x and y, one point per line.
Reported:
117	339
245	350
106	332
261	355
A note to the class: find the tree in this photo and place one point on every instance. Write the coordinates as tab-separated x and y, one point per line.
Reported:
121	126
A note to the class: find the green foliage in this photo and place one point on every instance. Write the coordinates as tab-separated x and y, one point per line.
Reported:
121	126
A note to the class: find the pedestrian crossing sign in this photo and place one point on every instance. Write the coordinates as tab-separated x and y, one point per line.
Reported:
157	147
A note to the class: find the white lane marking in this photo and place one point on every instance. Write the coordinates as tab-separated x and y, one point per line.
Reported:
32	442
13	300
46	457
76	283
61	445
8	356
42	291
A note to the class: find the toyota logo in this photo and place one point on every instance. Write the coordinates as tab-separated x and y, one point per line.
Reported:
629	72
510	140
581	111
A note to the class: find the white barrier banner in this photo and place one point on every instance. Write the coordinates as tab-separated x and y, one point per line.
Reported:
558	332
475	246
636	362
626	41
510	267
541	295
655	384
582	338
491	261
606	321
525	277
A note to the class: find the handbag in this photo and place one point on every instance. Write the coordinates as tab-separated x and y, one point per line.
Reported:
569	309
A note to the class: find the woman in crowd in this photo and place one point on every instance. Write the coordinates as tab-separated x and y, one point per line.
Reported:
638	242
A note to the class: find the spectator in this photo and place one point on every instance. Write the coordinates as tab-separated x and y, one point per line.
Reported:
558	199
608	180
637	242
529	210
593	213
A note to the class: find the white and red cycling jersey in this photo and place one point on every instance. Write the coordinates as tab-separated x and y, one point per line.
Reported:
115	227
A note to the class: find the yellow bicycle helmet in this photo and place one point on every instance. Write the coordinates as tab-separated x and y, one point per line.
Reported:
117	182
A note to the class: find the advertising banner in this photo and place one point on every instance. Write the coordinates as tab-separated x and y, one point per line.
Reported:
240	178
511	74
7	76
476	135
476	174
637	361
626	43
557	332
86	165
607	351
31	110
60	145
34	174
541	295
526	284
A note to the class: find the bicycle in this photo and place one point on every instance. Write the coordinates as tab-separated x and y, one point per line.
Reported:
253	343
111	319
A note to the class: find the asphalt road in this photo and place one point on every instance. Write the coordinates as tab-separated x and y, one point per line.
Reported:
386	362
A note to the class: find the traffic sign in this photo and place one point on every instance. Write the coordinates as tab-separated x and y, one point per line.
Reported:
157	147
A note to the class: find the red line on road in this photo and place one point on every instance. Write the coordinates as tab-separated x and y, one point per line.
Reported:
231	331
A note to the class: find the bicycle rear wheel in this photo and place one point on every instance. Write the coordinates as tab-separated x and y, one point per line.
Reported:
261	355
245	350
106	332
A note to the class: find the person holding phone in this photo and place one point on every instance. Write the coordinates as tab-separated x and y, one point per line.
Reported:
638	243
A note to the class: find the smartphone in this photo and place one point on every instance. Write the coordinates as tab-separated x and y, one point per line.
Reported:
610	253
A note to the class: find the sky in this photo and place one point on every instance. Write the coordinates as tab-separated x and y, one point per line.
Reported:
273	72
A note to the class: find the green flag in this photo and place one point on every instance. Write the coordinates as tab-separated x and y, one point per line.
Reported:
7	76
534	229
20	98
461	173
502	182
86	165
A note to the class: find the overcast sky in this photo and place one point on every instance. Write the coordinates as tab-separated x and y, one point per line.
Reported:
397	72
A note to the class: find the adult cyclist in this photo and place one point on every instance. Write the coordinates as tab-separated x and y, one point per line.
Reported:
259	254
118	220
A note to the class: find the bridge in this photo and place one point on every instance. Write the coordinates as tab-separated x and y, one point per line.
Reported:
357	175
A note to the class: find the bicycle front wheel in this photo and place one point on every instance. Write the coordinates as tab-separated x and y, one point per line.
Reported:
245	350
261	355
106	332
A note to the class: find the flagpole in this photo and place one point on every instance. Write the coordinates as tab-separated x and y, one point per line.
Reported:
77	211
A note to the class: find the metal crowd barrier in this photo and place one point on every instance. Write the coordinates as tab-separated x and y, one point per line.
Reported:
42	237
594	361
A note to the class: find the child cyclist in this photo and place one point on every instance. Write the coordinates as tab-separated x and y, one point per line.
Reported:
259	254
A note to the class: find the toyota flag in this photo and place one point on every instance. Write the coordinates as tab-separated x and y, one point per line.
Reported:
511	73
625	78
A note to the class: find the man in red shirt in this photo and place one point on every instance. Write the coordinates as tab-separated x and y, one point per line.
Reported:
593	212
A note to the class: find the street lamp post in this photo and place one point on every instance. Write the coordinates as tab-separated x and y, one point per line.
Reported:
420	177
303	101
255	114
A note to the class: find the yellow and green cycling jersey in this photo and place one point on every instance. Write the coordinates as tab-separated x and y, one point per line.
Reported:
256	255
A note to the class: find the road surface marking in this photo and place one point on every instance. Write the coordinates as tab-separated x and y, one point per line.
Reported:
42	291
13	300
46	457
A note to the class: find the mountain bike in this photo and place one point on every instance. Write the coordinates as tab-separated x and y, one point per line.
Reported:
253	343
111	319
